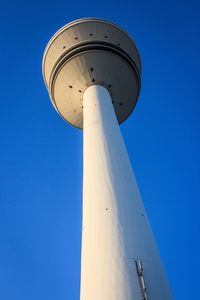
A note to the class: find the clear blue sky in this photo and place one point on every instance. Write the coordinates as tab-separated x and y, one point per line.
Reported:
41	156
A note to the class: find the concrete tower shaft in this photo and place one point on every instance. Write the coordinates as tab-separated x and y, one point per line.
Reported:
116	232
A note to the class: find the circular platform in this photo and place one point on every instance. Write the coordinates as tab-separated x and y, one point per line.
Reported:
87	52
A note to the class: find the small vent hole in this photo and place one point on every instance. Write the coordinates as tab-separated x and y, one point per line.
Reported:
109	85
80	91
105	36
118	44
91	69
64	47
93	80
70	86
76	38
91	34
120	103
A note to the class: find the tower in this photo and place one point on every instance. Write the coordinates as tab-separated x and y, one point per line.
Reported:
92	68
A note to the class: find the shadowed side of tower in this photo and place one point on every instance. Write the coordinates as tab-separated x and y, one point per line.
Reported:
92	71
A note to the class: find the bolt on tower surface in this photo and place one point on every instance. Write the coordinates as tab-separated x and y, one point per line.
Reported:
92	68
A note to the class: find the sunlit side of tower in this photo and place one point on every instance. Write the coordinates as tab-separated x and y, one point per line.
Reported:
92	69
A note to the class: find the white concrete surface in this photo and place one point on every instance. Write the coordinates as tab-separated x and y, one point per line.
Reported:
116	231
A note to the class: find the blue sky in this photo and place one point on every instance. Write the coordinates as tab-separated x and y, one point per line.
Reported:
41	156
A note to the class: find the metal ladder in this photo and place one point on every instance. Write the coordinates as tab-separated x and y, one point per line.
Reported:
140	273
